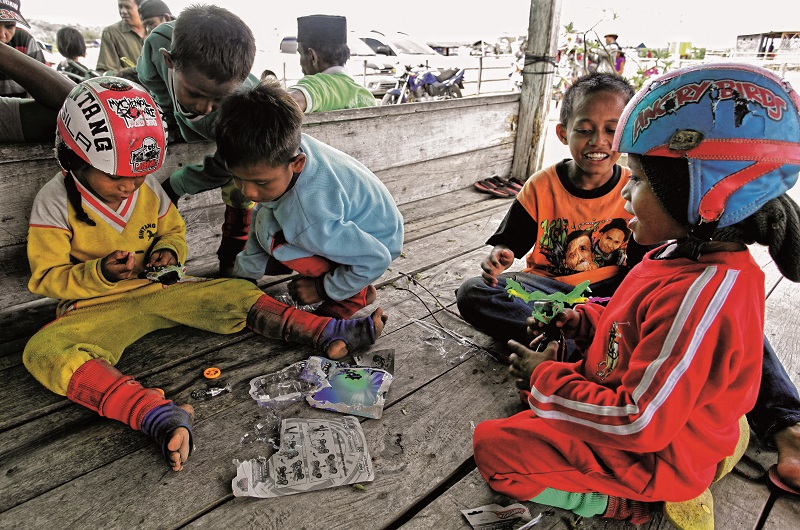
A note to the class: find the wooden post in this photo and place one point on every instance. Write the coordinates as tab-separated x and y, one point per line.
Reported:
480	73
537	87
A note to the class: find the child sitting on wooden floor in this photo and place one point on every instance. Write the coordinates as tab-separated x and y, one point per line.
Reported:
672	363
94	229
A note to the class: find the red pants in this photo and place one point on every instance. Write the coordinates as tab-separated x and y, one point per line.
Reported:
316	266
522	455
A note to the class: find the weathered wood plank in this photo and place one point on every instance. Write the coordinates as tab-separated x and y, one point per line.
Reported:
219	426
472	492
71	426
737	506
380	140
784	514
781	326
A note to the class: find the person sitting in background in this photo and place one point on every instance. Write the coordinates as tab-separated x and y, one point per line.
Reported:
153	13
72	46
121	43
18	39
322	44
25	119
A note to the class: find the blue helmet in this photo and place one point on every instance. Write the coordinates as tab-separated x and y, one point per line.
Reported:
739	127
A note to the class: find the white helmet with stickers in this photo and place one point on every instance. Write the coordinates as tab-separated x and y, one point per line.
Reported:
115	126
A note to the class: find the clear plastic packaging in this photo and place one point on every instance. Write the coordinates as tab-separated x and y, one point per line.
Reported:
293	383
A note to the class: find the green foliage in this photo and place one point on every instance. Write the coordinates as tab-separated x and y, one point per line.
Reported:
661	64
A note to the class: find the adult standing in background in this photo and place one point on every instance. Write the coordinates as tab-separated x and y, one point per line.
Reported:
18	39
322	44
153	13
608	57
121	43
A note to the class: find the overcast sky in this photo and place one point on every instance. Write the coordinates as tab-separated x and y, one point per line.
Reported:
709	23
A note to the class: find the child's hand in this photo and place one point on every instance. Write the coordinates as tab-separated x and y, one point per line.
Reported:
118	265
162	258
568	320
523	361
499	259
304	291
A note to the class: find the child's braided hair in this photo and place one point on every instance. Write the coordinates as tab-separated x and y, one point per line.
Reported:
72	163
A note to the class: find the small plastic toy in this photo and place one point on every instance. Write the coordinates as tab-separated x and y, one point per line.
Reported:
546	307
168	275
205	393
357	390
212	372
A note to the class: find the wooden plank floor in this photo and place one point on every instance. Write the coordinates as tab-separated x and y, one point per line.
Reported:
63	467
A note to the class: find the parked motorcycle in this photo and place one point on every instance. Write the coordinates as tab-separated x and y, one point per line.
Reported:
424	84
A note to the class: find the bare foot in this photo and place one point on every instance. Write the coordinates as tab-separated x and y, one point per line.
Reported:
179	443
524	360
338	349
788	443
372	294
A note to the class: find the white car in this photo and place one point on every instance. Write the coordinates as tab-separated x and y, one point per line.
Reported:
402	48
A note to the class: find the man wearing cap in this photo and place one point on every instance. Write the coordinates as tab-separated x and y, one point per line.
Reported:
18	39
121	43
153	13
322	44
608	57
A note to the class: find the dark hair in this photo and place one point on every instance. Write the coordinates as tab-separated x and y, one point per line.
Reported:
619	224
72	163
259	125
214	41
70	42
591	84
333	53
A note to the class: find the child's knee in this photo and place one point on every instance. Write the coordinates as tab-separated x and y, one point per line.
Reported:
54	365
485	445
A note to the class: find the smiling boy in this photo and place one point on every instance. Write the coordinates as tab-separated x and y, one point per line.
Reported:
558	214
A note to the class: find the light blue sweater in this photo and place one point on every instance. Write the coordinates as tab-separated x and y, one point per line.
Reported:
337	209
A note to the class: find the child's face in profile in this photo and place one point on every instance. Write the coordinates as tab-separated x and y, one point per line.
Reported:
196	92
589	133
264	183
110	189
651	223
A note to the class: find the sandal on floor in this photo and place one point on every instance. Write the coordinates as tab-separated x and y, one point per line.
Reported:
506	183
492	188
780	484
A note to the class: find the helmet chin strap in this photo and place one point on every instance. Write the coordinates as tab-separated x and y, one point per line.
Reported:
698	237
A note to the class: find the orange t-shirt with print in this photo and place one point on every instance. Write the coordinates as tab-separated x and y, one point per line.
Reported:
579	238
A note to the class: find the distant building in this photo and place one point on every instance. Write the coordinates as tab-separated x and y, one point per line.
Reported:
769	44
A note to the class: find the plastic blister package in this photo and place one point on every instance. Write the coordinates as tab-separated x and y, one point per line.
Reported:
293	383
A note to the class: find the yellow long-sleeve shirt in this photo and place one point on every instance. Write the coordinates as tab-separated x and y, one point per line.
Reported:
65	253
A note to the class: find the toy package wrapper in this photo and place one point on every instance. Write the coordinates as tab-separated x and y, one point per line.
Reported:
314	454
353	390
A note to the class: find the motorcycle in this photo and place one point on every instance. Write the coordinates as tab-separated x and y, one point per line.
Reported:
424	84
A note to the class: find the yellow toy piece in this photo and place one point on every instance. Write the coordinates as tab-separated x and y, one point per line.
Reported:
698	513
